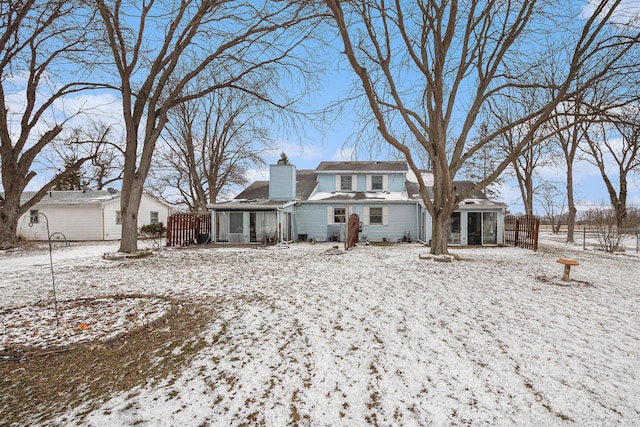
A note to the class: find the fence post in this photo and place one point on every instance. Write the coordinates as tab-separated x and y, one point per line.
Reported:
584	238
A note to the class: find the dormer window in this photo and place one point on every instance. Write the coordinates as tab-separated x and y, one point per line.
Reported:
346	182
376	183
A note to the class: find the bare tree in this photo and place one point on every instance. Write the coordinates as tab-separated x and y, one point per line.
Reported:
483	164
158	47
428	68
39	40
567	124
211	143
548	197
521	102
623	150
94	140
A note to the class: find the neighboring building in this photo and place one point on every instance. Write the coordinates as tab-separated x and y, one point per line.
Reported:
86	215
316	204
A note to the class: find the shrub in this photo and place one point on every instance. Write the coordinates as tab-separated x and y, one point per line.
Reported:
603	222
153	230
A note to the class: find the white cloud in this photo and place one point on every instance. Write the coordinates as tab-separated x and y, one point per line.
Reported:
296	151
345	153
626	14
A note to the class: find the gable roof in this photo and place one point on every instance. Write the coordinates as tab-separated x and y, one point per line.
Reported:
361	166
78	197
72	197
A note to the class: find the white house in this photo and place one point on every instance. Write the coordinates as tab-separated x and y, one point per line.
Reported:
316	204
85	215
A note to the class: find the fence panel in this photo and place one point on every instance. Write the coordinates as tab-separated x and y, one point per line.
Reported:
188	229
610	239
522	231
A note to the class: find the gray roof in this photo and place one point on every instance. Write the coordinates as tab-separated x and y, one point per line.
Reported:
460	186
72	197
306	181
256	195
368	166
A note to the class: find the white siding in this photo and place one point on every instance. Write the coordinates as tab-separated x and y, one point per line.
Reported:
88	221
313	219
148	204
77	222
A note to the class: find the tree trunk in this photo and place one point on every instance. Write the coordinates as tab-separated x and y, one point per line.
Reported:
621	206
129	206
9	218
440	234
571	215
10	209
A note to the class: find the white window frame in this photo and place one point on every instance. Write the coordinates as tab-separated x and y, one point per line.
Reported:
118	217
153	220
331	214
354	183
385	183
367	215
33	216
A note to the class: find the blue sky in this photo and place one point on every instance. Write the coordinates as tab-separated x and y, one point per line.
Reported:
333	140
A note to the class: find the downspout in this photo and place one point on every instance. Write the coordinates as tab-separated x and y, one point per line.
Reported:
214	232
417	223
101	206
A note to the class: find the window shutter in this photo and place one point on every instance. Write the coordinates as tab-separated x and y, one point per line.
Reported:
385	215
368	182
366	215
329	215
337	182
354	182
385	182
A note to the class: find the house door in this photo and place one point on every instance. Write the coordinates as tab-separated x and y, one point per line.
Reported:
474	228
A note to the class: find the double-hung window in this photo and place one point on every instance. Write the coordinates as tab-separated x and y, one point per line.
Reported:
375	216
377	183
378	215
118	217
339	215
154	218
346	182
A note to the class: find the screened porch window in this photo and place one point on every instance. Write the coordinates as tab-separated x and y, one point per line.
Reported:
489	228
454	229
235	222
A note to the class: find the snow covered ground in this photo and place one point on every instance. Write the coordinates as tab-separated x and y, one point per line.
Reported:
374	336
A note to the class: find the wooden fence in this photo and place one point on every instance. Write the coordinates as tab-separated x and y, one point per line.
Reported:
185	229
522	231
